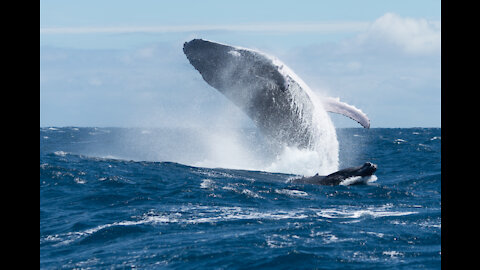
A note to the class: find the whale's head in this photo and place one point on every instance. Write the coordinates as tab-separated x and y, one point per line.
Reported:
205	55
216	62
228	68
367	169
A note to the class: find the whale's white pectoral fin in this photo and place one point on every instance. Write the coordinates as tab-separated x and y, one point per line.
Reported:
336	106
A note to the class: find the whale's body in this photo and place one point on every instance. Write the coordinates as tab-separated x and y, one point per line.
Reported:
280	104
336	178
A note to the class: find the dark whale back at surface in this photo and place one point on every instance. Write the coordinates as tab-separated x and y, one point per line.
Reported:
336	178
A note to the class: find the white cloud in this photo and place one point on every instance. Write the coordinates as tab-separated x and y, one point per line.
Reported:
391	71
412	36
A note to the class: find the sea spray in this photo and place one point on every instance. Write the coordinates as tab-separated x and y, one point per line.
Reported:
225	148
298	161
235	148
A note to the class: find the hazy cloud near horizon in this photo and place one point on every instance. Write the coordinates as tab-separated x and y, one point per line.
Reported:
390	70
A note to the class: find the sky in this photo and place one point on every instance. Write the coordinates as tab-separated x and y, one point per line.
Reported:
121	64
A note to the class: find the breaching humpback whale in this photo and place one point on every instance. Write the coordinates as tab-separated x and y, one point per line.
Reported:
279	103
338	177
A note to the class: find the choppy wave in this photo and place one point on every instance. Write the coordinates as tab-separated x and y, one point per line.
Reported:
198	214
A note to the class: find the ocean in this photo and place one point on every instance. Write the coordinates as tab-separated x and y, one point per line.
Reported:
173	198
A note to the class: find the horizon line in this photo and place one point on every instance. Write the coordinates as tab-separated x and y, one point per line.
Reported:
153	127
339	26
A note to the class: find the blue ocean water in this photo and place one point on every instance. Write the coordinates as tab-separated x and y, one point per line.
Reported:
126	198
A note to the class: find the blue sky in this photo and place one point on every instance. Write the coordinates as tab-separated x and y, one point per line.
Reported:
120	63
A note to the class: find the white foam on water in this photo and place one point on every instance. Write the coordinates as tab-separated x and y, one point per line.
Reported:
250	193
292	192
379	235
393	254
230	188
66	238
60	153
213	174
375	212
78	180
243	191
280	241
207	184
430	224
328	237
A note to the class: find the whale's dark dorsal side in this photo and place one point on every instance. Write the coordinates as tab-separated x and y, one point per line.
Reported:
336	178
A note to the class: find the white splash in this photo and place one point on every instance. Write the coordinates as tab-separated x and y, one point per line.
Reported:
359	180
300	161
